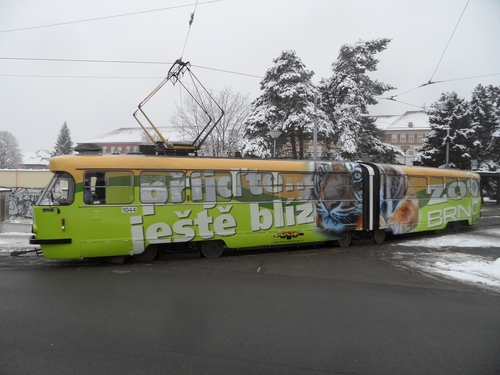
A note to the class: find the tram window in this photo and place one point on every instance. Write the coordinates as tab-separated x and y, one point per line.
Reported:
59	191
162	187
153	187
417	182
451	183
455	188
436	181
176	182
348	186
296	186
109	187
257	186
94	188
339	186
435	187
417	186
395	186
211	186
224	186
119	187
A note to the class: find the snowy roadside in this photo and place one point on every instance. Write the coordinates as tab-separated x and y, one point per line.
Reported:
443	257
11	241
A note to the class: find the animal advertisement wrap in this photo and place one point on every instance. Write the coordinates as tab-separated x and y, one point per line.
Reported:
409	198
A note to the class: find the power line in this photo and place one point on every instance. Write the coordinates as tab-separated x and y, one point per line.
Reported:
442	81
460	79
85	60
191	19
124	62
398	101
228	71
106	17
447	44
73	76
430	82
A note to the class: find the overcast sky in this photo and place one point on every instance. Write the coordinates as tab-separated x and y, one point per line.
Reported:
243	36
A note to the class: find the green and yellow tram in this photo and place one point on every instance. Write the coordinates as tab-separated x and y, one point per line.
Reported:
139	205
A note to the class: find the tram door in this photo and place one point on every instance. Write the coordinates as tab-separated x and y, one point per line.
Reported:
108	206
371	198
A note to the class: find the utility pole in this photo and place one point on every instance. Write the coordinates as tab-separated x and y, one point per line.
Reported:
315	134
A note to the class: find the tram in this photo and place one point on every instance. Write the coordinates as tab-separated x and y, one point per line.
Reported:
143	204
140	205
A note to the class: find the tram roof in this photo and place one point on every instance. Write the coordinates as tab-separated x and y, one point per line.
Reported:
159	162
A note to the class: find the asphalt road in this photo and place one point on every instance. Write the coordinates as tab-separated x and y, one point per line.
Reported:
317	311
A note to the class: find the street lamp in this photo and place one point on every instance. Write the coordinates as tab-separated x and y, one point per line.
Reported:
274	135
405	148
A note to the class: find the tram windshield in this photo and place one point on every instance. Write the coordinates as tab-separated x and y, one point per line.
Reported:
59	191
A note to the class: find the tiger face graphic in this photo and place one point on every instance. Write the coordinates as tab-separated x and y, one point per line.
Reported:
338	191
398	211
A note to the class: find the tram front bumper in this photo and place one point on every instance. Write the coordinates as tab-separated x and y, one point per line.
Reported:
55	241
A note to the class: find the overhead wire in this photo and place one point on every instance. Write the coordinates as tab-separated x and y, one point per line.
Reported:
460	79
106	17
430	82
442	81
125	62
75	76
399	101
191	19
449	40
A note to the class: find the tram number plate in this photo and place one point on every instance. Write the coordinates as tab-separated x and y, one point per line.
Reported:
129	210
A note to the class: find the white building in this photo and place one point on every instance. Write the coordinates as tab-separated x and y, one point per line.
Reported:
127	140
406	131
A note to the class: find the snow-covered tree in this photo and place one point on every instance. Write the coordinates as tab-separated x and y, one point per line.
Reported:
485	109
286	104
485	112
10	154
64	144
190	119
453	113
346	97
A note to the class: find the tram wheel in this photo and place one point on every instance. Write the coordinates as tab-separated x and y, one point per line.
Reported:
455	226
379	235
345	239
452	227
212	249
147	255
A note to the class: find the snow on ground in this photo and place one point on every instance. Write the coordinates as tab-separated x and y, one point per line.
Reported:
445	260
11	241
487	237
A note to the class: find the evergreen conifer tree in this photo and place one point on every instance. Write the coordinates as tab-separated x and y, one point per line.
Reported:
346	97
64	144
485	114
449	113
286	104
